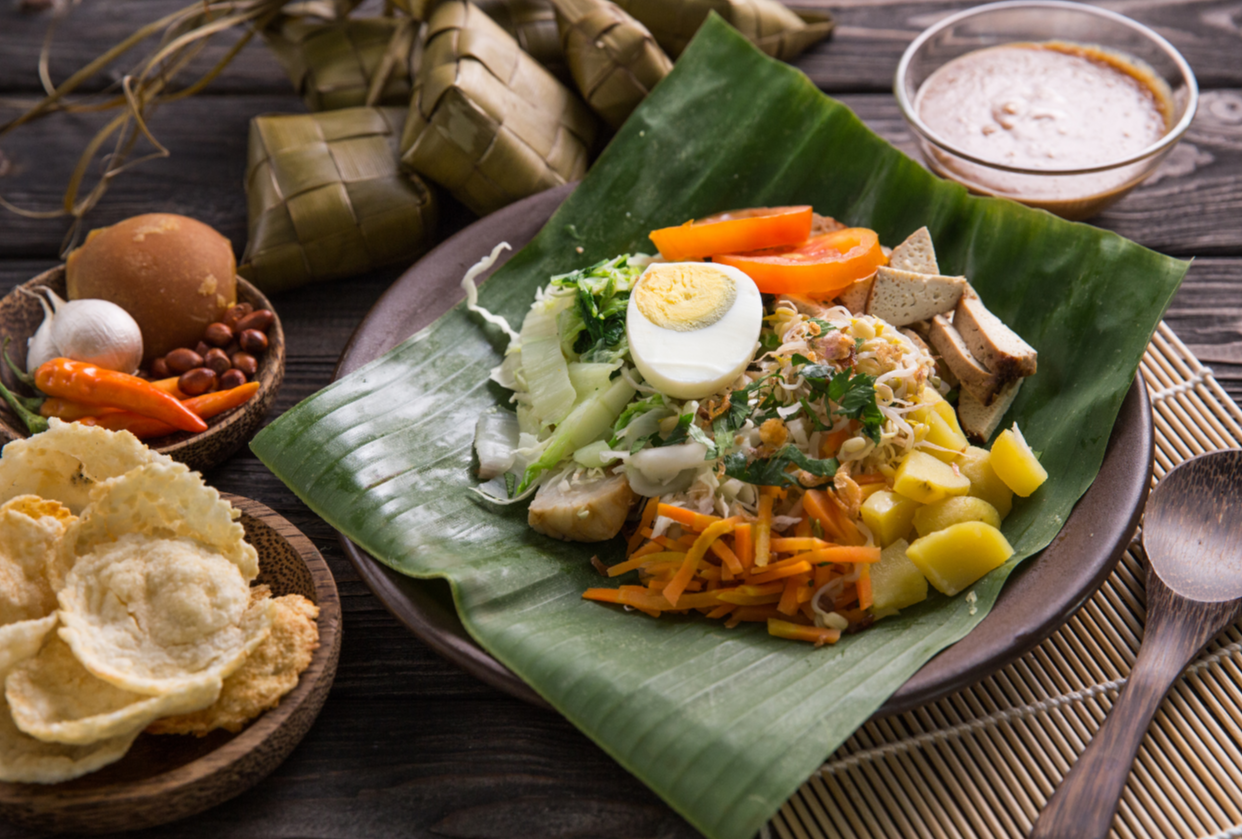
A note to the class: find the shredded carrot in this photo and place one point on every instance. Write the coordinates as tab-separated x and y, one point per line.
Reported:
797	632
729	558
734	596
713	532
756	591
648	516
823	573
649	548
762	530
781	573
688	518
787	546
841	554
864	587
789	597
744	545
638	560
832	442
720	611
802	529
831	517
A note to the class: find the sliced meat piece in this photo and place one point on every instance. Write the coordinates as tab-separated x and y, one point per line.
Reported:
995	345
855	297
979	420
903	297
584	511
916	254
972	376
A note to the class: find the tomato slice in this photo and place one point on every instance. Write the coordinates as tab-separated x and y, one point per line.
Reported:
823	265
734	232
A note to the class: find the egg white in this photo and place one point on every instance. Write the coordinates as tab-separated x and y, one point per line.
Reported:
697	363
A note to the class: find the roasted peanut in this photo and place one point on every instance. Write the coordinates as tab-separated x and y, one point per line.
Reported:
197	381
236	313
232	378
159	369
246	363
252	341
183	359
260	320
218	334
217	360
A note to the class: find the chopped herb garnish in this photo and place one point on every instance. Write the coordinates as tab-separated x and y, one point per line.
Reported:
774	470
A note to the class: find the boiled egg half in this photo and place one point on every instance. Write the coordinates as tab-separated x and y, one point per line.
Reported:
693	327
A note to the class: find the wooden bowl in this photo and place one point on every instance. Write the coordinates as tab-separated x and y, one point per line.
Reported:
21	314
168	777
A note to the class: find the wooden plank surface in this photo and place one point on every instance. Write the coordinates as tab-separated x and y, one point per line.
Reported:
861	56
409	745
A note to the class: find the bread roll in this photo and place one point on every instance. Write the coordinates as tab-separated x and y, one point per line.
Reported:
173	274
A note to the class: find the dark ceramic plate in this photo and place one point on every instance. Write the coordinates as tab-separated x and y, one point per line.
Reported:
1039	597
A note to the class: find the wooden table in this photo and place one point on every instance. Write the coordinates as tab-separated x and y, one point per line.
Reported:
408	744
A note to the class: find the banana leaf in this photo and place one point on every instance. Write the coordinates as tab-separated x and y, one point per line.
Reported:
723	724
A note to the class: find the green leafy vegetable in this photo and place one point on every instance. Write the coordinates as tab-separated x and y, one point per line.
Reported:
855	399
723	724
595	327
774	470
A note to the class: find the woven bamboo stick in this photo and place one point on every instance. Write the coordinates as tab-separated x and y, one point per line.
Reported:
984	761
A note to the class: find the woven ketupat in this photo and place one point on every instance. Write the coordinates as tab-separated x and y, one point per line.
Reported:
767	24
614	60
487	122
327	199
333	65
532	23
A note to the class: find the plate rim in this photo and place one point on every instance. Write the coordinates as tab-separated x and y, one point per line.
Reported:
1126	467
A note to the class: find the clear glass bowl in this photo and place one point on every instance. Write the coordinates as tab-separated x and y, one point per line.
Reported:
1070	193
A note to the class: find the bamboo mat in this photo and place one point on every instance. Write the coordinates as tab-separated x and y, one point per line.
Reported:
983	762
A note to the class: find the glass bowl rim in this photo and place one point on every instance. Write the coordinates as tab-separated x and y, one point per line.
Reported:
1170	138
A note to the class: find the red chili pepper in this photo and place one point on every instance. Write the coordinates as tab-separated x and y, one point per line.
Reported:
93	385
206	406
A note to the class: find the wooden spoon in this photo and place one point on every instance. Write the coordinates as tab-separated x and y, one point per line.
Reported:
1191	533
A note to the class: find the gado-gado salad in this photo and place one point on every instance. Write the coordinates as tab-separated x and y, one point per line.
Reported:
777	412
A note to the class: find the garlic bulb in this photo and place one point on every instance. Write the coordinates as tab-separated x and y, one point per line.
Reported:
41	348
94	331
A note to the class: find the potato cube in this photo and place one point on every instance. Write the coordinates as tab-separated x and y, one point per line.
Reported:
888	515
954	510
896	582
954	558
1015	463
925	479
945	435
928	399
976	464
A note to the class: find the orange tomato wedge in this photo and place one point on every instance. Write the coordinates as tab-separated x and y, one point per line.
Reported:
823	265
734	232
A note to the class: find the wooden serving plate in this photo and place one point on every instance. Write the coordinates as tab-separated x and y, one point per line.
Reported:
168	777
21	314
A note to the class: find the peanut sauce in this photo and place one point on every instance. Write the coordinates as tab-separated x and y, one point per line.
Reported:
1050	106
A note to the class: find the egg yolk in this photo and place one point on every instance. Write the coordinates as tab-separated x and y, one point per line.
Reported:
685	296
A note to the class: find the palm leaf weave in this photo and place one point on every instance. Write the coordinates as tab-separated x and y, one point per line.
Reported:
612	57
327	200
487	122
